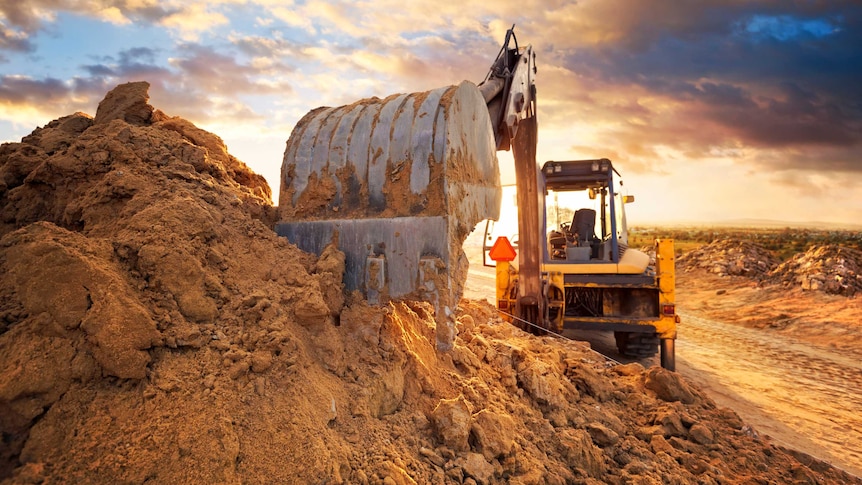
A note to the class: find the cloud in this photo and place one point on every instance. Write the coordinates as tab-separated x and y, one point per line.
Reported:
776	80
193	19
795	117
27	16
202	83
27	102
138	63
273	57
211	70
17	89
187	18
812	186
30	16
12	40
770	83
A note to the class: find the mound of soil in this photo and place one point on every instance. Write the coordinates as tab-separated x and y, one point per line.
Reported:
728	257
154	329
831	269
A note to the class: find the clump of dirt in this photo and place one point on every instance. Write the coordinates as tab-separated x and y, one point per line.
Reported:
154	329
831	269
728	257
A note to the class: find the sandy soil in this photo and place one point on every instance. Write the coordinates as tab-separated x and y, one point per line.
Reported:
789	361
154	329
832	321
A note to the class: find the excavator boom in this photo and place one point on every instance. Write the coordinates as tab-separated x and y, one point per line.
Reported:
510	92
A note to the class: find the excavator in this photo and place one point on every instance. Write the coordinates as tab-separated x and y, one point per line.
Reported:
398	183
590	278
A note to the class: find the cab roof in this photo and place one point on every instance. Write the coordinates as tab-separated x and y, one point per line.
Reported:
578	174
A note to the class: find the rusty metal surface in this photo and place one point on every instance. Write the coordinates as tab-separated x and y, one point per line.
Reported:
400	242
529	202
393	157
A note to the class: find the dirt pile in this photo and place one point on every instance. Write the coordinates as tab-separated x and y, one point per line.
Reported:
831	269
154	329
727	257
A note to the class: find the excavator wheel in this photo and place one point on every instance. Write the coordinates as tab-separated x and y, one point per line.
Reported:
637	344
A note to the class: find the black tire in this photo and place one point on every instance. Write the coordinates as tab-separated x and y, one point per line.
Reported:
636	344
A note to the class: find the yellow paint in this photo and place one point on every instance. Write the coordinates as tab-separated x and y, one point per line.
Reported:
666	326
502	282
556	283
555	278
632	262
664	267
666	274
502	279
580	268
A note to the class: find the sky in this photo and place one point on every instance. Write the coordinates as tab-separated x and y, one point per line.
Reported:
712	110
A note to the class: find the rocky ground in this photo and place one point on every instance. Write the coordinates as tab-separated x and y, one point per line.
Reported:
726	257
826	268
154	329
830	269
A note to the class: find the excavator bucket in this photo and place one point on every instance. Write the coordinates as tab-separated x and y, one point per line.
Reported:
399	183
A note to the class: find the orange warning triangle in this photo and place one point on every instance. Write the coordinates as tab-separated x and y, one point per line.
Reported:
502	250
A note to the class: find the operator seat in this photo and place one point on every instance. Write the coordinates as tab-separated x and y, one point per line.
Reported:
584	224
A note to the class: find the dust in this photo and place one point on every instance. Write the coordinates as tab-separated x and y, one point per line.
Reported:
154	329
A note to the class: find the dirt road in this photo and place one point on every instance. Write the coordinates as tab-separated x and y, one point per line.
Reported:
805	397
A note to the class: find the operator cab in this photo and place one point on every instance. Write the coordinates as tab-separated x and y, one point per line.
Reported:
584	218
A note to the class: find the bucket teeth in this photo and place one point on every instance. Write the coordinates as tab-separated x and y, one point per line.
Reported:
375	279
